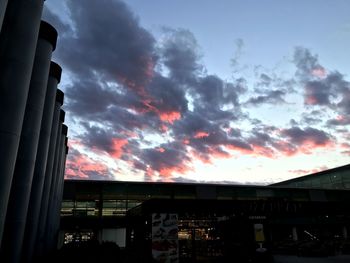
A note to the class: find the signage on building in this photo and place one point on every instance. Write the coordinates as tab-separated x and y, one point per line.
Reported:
165	245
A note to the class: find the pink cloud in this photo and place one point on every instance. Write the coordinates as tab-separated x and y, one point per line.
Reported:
169	117
117	146
81	166
201	134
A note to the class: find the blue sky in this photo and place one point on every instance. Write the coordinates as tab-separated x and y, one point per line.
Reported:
269	29
204	91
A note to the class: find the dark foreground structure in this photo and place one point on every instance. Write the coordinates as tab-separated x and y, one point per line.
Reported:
33	138
167	222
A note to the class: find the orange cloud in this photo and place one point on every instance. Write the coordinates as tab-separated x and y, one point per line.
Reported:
117	145
201	134
160	149
170	116
166	172
263	151
309	146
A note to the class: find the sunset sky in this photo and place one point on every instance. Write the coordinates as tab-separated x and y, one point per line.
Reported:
229	91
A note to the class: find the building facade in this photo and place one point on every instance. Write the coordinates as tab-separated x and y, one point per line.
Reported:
210	221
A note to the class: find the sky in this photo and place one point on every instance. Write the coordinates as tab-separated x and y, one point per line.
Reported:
232	92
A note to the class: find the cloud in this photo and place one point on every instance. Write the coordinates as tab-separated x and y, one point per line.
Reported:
301	172
271	97
166	160
149	104
322	87
80	166
317	93
109	42
180	54
307	64
303	140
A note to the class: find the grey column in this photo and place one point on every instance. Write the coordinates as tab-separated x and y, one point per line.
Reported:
57	219
41	163
48	186
28	145
52	220
295	233
18	38
3	4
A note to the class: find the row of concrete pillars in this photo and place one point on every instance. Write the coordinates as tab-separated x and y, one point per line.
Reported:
33	138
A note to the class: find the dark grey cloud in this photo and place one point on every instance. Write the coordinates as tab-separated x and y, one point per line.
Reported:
271	97
180	54
322	88
340	121
82	98
108	42
317	93
307	64
298	136
167	95
165	159
97	138
264	80
312	118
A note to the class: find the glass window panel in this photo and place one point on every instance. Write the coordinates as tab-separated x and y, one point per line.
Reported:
246	194
67	204
132	204
184	192
139	191
109	203
225	193
115	191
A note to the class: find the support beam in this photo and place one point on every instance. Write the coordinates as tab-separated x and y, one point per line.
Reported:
18	38
40	164
49	182
26	156
52	221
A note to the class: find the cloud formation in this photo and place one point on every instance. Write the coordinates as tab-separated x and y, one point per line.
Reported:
150	105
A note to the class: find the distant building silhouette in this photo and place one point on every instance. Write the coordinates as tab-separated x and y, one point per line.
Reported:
33	138
183	222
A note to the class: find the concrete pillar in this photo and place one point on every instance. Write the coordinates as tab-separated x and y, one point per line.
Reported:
294	233
52	221
60	195
60	186
18	38
41	163
345	232
49	185
26	155
3	4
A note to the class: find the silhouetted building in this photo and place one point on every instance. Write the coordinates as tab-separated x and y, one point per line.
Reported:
31	132
207	221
